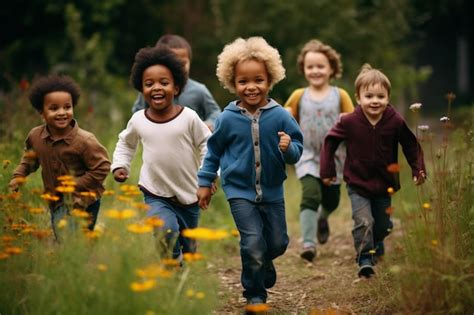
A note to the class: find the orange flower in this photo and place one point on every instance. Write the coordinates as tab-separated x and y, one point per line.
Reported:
88	194
426	206
257	308
79	213
24	84
140	205
49	197
390	190
154	221
235	232
143	286
65	189
192	256
109	193
13	250
389	210
153	271
170	262
139	228
120	214
393	168
7	238
65	178
4	256
36	210
68	183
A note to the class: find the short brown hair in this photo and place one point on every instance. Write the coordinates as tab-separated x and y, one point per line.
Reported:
53	83
173	41
369	76
333	56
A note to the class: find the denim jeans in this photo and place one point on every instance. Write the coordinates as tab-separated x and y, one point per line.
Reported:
371	222
59	212
176	218
263	237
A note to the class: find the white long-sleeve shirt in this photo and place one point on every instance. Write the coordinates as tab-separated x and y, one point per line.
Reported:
172	153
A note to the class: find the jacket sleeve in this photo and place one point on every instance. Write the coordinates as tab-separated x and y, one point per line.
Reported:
292	103
293	154
96	159
335	136
126	147
215	148
412	150
29	161
346	102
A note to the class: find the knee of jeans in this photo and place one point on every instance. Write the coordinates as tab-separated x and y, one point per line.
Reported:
363	221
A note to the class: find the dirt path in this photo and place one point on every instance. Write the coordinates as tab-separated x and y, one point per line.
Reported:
329	283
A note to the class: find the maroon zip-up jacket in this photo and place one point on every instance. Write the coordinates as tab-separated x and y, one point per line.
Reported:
370	149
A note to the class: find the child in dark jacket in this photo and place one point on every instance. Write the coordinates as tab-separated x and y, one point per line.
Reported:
371	133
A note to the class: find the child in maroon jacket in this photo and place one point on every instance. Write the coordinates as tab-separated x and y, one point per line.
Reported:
371	133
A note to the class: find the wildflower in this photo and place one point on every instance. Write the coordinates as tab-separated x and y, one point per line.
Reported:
36	210
415	107
13	250
390	190
154	221
24	84
139	228
79	213
192	256
120	214
140	205
6	163
65	178
200	295
434	242
190	293
143	286
49	197
149	312
235	232
132	193
4	256
393	168
62	223
108	193
444	119
65	189
426	206
90	194
7	239
256	308
395	269
124	198
153	271
102	267
68	183
41	234
126	188
205	234
20	180
450	97
92	234
170	262
28	230
372	251
423	127
389	210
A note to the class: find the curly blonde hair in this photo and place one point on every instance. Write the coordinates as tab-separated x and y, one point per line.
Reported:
316	46
253	48
369	76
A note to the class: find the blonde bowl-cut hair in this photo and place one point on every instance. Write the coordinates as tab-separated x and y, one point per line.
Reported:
317	46
252	48
369	76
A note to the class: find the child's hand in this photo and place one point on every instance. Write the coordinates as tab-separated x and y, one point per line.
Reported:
120	175
213	188
328	181
204	195
420	179
285	141
14	185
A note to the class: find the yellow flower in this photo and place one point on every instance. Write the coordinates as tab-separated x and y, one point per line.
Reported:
4	256
79	213
205	234
143	286
140	205
13	250
256	308
62	223
68	183
120	214
200	295
124	198
7	238
92	234
88	194
132	193
153	271
170	262
49	197
108	193
102	267
128	188
65	178
154	221
149	312
434	242
6	163
426	206
190	293
390	190
36	210
372	251
139	228
235	232
192	256
65	189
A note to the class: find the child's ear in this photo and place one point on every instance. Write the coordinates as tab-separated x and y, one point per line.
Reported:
176	90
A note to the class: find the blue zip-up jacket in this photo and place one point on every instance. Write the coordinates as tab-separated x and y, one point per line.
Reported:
245	147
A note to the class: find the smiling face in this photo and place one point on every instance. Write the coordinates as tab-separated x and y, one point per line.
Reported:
159	89
252	84
317	69
373	100
58	112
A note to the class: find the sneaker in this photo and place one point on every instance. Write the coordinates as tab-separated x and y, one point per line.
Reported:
323	230
366	268
270	274
308	253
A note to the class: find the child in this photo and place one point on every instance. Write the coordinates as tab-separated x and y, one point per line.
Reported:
61	148
372	133
317	108
253	139
174	143
194	95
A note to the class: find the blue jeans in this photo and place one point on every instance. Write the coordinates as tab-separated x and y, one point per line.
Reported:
263	237
59	212
371	222
176	218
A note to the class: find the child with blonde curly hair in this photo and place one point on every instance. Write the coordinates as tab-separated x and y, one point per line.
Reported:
317	107
253	139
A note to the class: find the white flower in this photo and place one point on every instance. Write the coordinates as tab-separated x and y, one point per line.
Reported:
444	119
415	107
423	127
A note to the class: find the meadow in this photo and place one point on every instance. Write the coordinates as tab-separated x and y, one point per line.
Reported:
117	270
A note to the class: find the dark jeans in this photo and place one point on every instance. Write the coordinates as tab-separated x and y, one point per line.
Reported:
263	237
58	213
371	222
176	218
